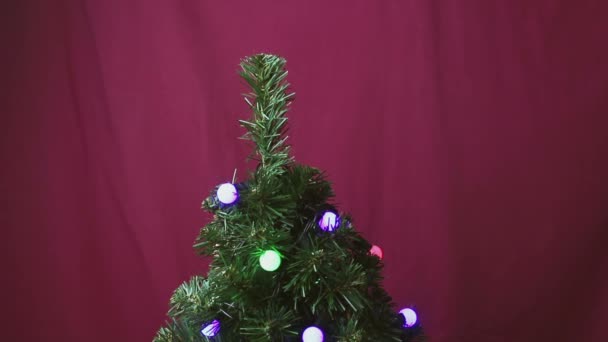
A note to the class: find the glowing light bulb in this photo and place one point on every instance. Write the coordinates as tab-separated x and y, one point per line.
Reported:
227	193
329	221
377	251
312	334
211	329
270	260
410	317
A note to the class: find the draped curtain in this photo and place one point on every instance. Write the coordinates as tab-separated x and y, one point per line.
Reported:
468	139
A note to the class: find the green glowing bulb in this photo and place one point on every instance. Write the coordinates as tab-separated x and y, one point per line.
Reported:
270	260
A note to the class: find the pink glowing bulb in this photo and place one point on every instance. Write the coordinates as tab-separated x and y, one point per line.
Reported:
377	251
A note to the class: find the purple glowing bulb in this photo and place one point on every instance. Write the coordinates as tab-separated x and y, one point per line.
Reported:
227	193
329	221
211	329
312	334
410	317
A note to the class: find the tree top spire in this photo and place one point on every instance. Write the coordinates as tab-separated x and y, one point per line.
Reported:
269	102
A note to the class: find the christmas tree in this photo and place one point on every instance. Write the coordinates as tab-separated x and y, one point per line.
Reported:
286	264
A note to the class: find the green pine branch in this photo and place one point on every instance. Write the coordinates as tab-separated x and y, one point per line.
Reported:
269	102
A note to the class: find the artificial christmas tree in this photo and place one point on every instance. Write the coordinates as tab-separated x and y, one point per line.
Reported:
287	265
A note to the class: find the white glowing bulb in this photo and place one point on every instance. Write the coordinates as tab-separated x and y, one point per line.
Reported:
410	317
312	334
227	193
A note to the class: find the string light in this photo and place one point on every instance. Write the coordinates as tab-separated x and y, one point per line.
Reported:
312	334
270	260
329	221
227	193
410	317
377	251
211	329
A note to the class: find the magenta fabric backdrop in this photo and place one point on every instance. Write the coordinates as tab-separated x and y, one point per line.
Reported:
469	139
